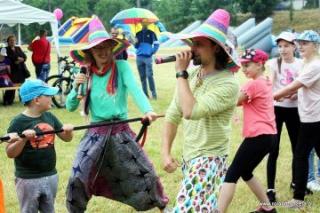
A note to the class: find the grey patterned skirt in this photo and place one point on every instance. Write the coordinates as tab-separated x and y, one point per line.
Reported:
110	163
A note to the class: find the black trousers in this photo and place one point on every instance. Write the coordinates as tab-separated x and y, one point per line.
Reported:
290	117
250	153
309	137
8	97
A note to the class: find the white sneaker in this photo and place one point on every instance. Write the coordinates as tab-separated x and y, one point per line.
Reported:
313	185
318	180
166	210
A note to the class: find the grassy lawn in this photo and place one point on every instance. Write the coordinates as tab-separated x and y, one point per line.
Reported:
244	200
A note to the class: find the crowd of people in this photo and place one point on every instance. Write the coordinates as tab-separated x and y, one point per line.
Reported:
110	163
13	62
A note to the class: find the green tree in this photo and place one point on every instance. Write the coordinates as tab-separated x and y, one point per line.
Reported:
169	12
177	14
204	8
147	4
106	9
312	4
77	8
91	6
261	9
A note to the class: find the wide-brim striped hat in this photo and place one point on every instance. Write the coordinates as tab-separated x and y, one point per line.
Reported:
97	35
214	28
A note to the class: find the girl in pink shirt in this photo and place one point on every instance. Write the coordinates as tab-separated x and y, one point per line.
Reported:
259	131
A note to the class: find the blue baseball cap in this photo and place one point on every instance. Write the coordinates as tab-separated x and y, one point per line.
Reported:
32	89
309	35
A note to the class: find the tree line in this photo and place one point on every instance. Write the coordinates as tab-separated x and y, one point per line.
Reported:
174	14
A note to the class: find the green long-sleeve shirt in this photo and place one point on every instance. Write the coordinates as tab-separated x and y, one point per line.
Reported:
207	132
104	106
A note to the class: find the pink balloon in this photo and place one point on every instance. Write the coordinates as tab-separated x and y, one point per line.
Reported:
58	13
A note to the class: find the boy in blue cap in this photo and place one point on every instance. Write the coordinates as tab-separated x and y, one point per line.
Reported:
35	157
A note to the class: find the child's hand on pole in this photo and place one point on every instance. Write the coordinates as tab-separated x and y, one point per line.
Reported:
29	134
14	137
67	133
67	128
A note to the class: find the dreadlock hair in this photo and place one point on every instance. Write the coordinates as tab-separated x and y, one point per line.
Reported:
221	56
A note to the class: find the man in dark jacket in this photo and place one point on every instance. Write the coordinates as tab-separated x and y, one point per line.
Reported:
147	44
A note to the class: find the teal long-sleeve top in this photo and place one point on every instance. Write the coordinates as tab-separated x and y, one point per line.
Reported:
104	106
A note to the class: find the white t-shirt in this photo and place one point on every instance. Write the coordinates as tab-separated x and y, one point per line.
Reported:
289	72
309	95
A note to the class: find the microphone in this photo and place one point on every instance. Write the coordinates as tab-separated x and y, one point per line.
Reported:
166	59
83	70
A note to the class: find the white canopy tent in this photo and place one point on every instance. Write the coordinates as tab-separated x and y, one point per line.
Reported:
14	12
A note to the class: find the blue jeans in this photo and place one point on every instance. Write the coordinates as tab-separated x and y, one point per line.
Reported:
144	65
42	71
37	194
311	171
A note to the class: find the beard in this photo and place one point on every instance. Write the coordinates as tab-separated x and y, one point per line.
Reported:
197	60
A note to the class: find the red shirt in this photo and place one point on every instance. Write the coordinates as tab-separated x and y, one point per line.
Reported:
41	51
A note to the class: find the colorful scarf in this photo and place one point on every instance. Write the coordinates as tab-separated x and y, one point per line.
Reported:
112	83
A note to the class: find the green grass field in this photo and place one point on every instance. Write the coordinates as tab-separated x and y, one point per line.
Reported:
244	200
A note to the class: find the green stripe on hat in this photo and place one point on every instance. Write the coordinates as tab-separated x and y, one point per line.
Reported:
212	32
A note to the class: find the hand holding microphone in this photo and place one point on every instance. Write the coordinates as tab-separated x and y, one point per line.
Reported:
183	60
166	59
80	80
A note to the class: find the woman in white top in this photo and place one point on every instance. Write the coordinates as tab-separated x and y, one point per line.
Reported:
284	70
308	86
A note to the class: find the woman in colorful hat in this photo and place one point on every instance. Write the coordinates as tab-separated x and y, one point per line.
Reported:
204	103
308	86
109	162
259	131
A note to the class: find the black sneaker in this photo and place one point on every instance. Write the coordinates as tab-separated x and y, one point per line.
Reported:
271	196
307	192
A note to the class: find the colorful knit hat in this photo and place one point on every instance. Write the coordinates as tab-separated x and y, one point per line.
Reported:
97	35
214	28
254	55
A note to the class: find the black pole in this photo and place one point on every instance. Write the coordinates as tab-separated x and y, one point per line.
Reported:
5	138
